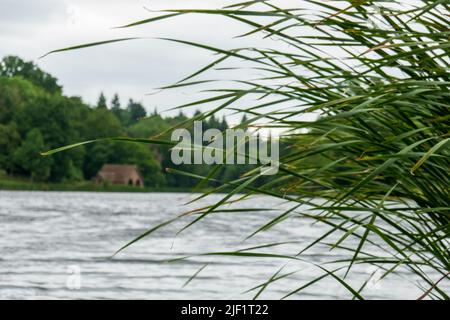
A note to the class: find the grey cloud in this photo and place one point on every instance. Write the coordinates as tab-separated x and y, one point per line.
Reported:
29	12
32	28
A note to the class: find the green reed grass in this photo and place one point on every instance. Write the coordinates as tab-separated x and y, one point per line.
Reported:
377	74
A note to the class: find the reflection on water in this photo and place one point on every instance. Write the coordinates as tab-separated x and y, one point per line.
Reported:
59	245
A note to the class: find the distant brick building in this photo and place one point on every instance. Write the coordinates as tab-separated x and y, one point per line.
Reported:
120	174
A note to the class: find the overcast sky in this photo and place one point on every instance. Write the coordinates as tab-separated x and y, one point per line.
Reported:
134	68
29	29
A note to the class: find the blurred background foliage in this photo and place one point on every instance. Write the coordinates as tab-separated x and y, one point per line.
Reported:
35	116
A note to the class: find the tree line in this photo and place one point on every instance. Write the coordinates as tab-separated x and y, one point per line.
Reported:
35	116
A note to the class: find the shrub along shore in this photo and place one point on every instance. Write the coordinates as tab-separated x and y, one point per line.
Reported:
8	183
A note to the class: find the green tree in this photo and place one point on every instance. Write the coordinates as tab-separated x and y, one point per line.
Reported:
12	66
15	93
9	141
223	124
61	121
136	110
27	156
244	120
115	103
101	103
149	127
101	123
121	114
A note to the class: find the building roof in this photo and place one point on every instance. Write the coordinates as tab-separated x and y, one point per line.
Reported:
119	172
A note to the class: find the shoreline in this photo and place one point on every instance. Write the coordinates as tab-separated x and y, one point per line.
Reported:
18	184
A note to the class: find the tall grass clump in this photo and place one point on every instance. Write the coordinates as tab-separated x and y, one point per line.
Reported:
374	164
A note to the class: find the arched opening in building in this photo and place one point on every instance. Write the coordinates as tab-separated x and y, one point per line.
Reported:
130	182
138	183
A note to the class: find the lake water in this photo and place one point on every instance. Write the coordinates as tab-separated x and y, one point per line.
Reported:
51	242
